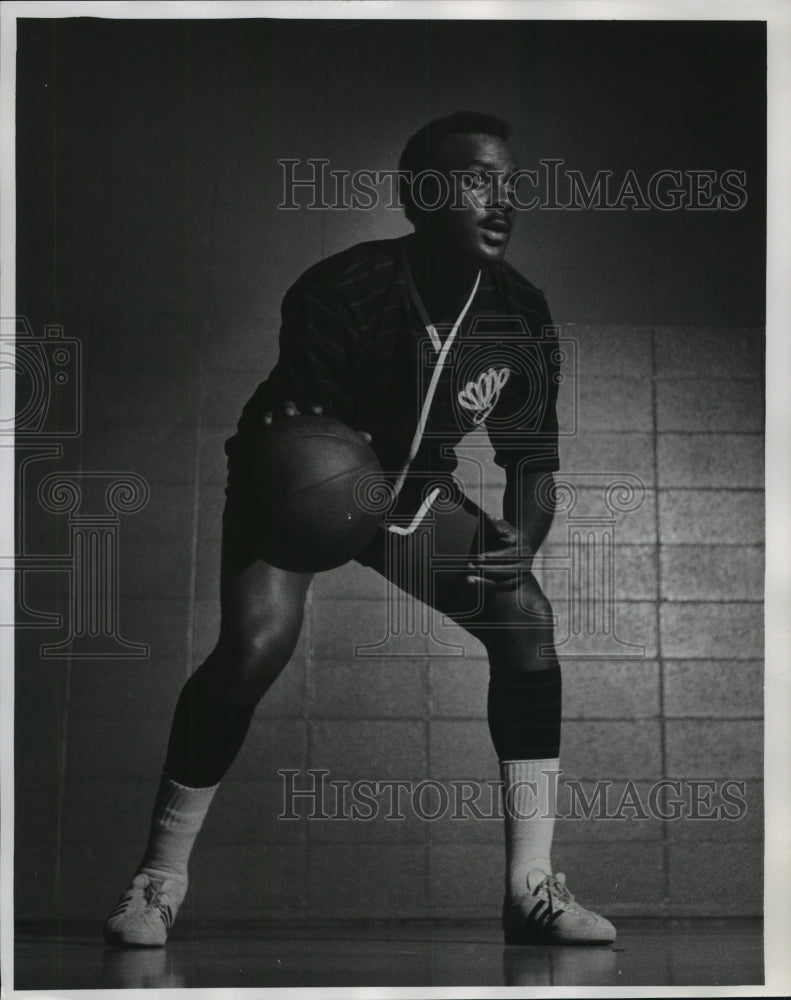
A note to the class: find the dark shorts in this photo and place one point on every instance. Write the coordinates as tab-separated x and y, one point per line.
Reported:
430	563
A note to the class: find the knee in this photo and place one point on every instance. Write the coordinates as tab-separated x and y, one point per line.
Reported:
522	637
252	650
260	637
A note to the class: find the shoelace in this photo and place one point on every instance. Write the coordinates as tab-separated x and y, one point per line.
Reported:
556	890
156	896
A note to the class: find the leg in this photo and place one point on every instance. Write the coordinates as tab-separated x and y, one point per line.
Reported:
524	720
524	713
262	609
261	620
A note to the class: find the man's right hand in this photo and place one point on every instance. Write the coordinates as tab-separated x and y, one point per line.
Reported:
290	409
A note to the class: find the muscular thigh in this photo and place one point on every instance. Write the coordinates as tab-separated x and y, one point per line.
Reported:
254	595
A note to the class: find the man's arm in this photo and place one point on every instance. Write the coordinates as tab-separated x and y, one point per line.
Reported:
528	504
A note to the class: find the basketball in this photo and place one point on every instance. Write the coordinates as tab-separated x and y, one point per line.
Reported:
310	476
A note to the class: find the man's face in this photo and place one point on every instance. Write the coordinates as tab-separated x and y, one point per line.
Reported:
479	226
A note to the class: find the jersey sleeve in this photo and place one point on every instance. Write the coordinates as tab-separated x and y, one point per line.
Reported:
523	427
318	336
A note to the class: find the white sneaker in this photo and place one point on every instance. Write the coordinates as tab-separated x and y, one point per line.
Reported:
145	913
548	914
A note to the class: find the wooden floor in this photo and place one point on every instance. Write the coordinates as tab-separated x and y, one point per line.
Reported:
721	952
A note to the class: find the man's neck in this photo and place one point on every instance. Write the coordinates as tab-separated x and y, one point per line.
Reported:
443	281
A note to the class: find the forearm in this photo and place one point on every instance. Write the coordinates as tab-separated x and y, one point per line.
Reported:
528	504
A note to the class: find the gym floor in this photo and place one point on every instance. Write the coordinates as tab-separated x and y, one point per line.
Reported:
666	952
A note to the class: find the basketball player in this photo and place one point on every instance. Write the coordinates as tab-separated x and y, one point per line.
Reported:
413	342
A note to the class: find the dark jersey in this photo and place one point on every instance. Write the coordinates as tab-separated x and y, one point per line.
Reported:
353	340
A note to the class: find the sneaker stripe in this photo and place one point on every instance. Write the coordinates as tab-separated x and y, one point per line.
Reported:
554	917
545	918
534	916
123	905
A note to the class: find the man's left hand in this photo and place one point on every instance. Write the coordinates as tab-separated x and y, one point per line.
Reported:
502	567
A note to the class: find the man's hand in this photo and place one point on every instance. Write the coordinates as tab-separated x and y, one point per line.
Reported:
290	409
502	567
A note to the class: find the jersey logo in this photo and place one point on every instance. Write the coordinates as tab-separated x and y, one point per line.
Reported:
480	396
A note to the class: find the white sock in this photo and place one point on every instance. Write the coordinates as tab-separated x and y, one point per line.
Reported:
178	815
529	802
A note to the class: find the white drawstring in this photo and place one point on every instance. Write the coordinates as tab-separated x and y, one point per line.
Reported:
432	387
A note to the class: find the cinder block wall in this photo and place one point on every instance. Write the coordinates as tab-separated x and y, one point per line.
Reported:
148	228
